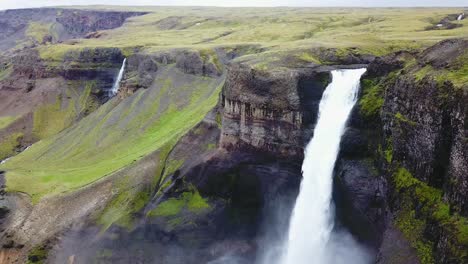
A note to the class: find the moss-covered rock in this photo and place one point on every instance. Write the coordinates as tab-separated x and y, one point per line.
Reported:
422	211
37	255
9	145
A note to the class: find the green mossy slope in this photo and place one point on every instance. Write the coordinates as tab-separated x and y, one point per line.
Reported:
114	136
9	144
422	205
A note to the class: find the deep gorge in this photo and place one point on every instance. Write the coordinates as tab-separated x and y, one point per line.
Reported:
198	156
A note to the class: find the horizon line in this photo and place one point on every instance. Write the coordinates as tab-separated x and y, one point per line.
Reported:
214	6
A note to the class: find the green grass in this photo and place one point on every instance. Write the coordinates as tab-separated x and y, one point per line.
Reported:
9	144
113	136
279	30
457	73
37	255
170	207
74	102
211	146
6	121
191	201
431	209
372	99
308	57
413	229
4	73
219	120
38	30
401	118
171	166
388	153
121	209
52	118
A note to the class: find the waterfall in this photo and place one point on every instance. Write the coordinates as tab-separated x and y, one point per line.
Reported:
7	159
460	17
312	220
116	86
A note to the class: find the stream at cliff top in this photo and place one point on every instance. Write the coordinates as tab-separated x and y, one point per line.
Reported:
311	237
115	88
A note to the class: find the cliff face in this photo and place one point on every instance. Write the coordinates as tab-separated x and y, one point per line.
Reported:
417	134
79	23
270	111
54	24
42	97
426	123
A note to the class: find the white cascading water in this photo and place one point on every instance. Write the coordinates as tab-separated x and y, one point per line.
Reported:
312	220
460	17
116	86
7	159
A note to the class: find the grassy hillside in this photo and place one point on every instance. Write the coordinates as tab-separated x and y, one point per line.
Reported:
114	136
119	133
277	29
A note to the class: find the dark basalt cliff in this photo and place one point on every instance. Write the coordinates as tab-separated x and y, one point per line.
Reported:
63	24
410	130
270	111
79	23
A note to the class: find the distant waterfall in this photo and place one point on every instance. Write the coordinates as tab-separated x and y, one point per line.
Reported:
312	220
7	159
461	16
116	86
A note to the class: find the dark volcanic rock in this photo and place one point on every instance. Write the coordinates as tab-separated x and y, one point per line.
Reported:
140	73
192	62
422	128
335	56
4	209
443	53
68	23
81	22
353	144
360	199
269	111
418	119
395	248
384	65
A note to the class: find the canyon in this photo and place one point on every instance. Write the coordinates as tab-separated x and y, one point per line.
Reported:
197	157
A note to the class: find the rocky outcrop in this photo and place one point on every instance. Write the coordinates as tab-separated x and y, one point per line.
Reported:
100	65
63	24
81	22
269	111
192	62
417	144
140	73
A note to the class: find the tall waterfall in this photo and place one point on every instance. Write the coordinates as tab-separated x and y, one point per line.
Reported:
116	86
312	220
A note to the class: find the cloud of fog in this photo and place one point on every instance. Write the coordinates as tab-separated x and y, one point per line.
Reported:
342	248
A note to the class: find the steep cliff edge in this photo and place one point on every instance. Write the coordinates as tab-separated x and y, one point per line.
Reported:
413	111
40	98
271	111
32	27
